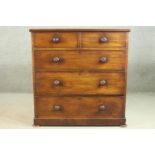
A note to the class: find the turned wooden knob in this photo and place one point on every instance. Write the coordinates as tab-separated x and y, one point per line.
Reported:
102	82
57	108
102	107
103	39
56	82
55	39
56	60
103	60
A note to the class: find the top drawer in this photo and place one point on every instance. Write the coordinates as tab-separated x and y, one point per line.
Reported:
104	40
55	39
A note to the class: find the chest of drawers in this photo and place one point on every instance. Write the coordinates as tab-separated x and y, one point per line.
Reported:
79	76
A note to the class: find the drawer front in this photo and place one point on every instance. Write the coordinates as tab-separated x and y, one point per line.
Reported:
110	40
56	40
79	107
80	60
58	83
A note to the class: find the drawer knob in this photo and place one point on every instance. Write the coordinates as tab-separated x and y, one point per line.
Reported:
57	108
56	60
102	82
56	82
55	39
102	107
103	39
103	60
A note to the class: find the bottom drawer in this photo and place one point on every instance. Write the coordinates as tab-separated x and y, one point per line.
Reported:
79	107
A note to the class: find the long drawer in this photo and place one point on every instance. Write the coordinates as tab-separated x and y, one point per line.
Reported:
79	60
61	83
79	107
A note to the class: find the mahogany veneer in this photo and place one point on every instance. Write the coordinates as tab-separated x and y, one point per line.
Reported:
79	76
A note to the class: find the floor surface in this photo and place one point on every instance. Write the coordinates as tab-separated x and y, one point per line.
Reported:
16	110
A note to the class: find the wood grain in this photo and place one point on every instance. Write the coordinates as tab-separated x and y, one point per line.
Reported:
67	39
79	90
79	30
92	40
79	83
79	107
80	122
80	60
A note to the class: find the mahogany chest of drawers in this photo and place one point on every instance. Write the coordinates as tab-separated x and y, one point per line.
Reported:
79	76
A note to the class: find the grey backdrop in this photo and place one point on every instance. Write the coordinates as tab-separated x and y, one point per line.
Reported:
15	59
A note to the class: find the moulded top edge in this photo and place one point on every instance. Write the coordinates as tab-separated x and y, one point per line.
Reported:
79	30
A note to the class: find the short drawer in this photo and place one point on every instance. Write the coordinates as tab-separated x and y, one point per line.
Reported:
59	83
111	40
80	60
55	39
79	107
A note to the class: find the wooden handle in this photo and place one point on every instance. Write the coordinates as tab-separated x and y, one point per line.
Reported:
102	82
57	82
102	107
103	60
103	39
57	108
55	39
56	60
